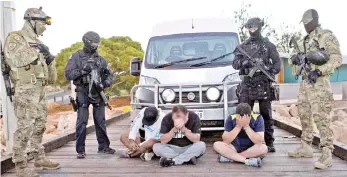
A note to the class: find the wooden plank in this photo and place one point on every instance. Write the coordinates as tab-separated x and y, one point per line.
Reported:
340	148
59	141
274	164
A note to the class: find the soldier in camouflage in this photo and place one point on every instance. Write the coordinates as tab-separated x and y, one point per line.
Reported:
320	48
32	67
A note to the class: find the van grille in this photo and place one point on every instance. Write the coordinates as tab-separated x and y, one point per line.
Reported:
196	99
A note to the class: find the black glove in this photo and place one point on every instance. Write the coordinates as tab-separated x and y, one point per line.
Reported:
272	71
45	51
100	87
313	75
86	69
106	83
49	59
296	58
247	64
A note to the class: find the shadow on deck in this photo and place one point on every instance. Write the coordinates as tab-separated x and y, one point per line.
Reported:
274	164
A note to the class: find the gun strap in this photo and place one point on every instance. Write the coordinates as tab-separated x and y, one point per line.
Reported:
262	69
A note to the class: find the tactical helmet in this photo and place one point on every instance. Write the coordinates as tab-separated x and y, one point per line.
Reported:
254	26
310	20
91	41
37	14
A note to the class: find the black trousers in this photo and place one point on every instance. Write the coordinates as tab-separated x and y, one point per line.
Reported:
265	110
82	121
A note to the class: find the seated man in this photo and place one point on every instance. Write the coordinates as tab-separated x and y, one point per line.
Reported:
180	138
243	138
151	119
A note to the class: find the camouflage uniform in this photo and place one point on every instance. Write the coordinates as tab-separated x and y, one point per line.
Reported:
315	100
30	73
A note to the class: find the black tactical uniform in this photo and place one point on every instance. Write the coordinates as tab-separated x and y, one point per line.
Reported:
259	86
77	69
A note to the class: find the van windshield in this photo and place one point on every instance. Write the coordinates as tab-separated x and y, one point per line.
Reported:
173	48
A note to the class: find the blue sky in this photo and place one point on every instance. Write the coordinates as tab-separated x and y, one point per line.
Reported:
135	18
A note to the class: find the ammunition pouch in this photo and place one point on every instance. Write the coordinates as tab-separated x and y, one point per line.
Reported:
257	87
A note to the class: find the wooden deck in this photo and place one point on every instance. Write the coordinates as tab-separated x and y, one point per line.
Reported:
275	164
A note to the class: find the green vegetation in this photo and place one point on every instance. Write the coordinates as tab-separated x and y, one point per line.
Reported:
118	51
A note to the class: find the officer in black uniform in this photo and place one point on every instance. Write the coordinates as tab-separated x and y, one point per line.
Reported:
259	86
78	68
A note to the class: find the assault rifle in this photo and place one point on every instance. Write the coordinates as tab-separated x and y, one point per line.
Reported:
95	80
5	69
303	62
259	65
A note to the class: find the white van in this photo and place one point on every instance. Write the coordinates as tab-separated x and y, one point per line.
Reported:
188	62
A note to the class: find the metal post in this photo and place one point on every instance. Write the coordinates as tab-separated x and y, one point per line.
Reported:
7	24
225	99
156	90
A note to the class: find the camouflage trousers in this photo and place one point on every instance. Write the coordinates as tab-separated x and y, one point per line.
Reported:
31	110
315	104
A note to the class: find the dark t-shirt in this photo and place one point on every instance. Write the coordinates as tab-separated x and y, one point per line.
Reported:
192	124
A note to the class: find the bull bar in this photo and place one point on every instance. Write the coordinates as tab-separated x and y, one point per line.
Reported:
180	88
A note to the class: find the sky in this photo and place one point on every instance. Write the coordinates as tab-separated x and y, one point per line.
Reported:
135	18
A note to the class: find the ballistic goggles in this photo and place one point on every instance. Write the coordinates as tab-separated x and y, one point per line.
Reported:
47	19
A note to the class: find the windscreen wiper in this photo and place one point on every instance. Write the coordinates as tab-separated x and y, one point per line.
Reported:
211	61
180	61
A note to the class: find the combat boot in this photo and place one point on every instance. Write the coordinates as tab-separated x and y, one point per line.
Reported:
324	160
45	164
22	170
305	150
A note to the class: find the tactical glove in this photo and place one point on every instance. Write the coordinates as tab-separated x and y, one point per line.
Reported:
247	64
49	59
107	83
313	75
296	59
86	69
43	49
273	71
100	87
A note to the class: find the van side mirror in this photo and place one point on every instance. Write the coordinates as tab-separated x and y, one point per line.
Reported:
135	66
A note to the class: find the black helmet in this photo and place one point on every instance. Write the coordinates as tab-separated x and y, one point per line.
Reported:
254	26
310	20
91	41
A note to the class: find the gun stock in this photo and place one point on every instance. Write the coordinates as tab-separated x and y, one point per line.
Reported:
5	70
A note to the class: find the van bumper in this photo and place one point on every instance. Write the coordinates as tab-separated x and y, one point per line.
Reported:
212	114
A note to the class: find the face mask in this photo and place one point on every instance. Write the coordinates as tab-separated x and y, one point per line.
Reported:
40	27
311	25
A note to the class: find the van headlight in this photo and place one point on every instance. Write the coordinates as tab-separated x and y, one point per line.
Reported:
212	94
232	78
148	80
168	95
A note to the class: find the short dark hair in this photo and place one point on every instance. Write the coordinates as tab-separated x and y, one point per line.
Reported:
243	108
151	112
179	108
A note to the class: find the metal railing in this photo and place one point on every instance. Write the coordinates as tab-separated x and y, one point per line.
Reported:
158	88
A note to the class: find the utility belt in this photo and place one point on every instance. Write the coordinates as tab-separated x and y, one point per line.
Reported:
257	88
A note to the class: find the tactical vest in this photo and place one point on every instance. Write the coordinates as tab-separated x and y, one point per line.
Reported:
82	60
28	72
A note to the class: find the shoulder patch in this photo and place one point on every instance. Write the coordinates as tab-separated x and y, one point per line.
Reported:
333	39
12	45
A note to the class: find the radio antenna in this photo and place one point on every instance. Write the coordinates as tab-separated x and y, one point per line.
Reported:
192	23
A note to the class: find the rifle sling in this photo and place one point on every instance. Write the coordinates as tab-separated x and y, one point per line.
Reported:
261	68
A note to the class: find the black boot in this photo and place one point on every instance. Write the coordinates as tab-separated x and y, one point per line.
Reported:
271	148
